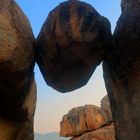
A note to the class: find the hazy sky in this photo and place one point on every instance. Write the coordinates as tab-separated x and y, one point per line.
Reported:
51	105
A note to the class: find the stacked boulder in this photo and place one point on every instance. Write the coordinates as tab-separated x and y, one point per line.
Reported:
17	84
89	122
72	42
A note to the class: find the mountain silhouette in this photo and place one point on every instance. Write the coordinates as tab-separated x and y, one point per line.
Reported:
49	136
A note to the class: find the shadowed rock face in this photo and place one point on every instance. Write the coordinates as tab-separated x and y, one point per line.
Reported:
16	73
16	60
71	44
105	105
12	129
122	72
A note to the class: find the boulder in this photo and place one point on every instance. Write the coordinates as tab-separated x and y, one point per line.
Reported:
104	133
17	85
122	72
71	44
16	60
82	119
105	105
11	129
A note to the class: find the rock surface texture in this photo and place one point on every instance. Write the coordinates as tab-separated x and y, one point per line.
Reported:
88	122
71	44
73	41
105	105
17	85
122	72
82	119
104	133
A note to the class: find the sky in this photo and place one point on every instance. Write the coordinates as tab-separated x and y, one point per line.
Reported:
52	105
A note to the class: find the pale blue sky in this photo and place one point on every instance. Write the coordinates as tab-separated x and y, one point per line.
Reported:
52	105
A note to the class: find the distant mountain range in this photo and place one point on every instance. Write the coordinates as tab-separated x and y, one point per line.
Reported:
49	136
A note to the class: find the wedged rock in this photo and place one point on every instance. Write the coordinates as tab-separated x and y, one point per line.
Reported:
104	133
16	61
71	44
82	119
105	105
122	72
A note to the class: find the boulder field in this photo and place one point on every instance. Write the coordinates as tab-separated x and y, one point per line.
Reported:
72	42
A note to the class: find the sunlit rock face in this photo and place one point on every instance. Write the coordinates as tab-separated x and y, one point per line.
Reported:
104	133
71	44
122	72
16	71
82	119
89	122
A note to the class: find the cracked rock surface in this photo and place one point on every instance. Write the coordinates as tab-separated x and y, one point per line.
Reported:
88	122
104	133
82	119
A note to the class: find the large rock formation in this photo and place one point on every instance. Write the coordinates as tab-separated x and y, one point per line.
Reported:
88	122
17	86
82	119
71	44
73	41
122	72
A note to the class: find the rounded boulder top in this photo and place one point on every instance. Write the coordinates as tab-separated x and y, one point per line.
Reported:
71	44
16	60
